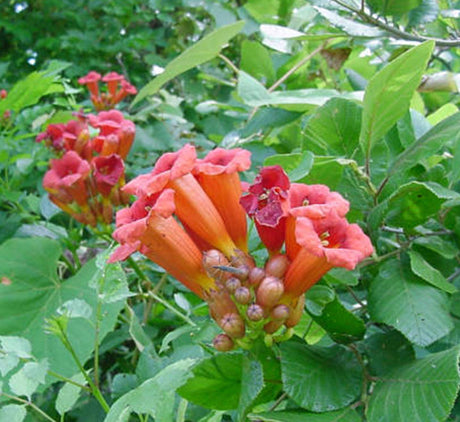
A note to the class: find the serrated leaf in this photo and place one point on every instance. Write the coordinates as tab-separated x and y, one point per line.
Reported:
428	273
421	391
398	298
154	396
296	165
36	292
334	128
69	394
320	379
26	381
199	53
13	413
345	415
252	383
389	92
438	245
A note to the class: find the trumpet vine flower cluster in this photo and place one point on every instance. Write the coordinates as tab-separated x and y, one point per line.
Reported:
190	218
117	89
85	180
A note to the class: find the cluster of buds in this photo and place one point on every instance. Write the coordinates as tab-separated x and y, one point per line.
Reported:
4	119
190	218
86	180
117	88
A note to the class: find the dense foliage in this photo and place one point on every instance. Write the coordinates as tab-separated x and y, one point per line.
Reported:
358	96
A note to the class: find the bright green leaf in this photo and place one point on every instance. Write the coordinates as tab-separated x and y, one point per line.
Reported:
320	379
421	391
398	298
26	381
389	93
428	273
296	166
393	7
13	413
199	53
69	394
252	383
345	415
256	61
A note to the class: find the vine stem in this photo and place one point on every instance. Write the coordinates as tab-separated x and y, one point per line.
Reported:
395	31
70	381
29	403
167	305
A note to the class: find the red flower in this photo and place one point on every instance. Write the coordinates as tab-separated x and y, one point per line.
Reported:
149	227
91	80
126	89
112	79
217	174
193	206
108	173
323	244
267	203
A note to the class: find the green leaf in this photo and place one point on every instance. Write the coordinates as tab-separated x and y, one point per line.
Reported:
216	382
388	350
428	273
393	7
428	144
413	203
256	61
438	245
296	165
389	93
69	394
252	383
26	92
320	379
154	396
26	381
345	415
326	310
35	293
349	26
427	11
421	391
18	346
251	91
199	53
13	413
399	298
334	128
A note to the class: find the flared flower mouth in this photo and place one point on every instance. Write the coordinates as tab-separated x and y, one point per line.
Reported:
108	172
221	160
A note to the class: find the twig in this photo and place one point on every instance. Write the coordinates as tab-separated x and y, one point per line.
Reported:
229	63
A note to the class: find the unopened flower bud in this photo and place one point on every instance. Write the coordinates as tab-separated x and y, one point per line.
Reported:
269	292
3	94
280	313
256	275
213	258
232	284
233	325
242	295
272	326
223	343
255	312
277	266
242	272
240	259
296	313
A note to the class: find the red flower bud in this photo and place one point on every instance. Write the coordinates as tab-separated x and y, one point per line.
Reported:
243	295
232	284
255	312
256	275
280	313
213	258
277	266
233	325
223	343
3	94
269	292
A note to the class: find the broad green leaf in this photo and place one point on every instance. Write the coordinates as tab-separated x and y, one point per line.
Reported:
18	346
267	119
349	26
387	350
155	396
296	165
199	53
35	293
442	113
345	415
256	61
438	245
252	383
393	7
445	131
326	310
334	128
413	203
427	11
428	273
389	92
13	413
26	381
251	91
263	10
320	379
421	391
69	394
399	298
217	382
26	92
